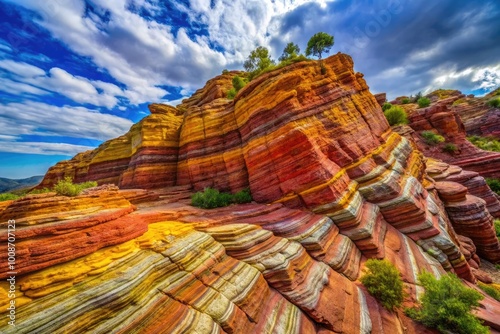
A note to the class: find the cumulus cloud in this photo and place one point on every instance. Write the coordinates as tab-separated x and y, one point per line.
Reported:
42	148
35	118
33	80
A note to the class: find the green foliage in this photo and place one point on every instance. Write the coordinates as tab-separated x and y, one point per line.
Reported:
238	83
447	305
318	44
396	115
494	185
386	106
383	281
423	102
405	100
495	103
40	191
497	266
450	148
242	196
211	198
225	71
485	143
8	197
490	290
66	187
496	223
231	93
290	51
432	138
258	60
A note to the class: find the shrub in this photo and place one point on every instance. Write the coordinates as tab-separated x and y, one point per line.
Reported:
225	71
242	196
405	100
8	197
211	198
495	103
490	290
66	187
485	143
238	83
423	102
386	106
383	281
450	148
494	185
40	191
432	138
447	305
396	115
231	93
496	223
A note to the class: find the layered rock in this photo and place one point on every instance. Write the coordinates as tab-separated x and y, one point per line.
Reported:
441	119
145	157
337	185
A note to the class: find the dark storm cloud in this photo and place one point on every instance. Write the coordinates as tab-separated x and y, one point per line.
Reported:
402	45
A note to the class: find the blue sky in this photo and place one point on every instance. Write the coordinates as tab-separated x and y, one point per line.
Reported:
74	73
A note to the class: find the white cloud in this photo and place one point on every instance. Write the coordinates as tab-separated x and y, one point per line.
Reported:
42	148
471	78
22	69
33	80
46	120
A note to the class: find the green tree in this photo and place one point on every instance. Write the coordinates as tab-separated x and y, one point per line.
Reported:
258	60
319	43
383	281
447	305
290	51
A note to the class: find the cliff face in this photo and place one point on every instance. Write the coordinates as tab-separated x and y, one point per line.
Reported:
336	187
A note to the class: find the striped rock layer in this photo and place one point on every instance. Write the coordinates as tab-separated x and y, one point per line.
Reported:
340	188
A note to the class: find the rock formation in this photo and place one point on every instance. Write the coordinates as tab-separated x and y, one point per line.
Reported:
441	118
334	186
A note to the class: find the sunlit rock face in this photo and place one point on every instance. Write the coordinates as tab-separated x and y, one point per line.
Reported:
334	187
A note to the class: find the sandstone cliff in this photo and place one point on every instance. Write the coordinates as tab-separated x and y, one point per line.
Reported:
335	186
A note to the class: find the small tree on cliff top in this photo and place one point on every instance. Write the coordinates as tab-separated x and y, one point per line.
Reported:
290	51
318	44
258	60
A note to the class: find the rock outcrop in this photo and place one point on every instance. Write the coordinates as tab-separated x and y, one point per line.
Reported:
443	120
335	186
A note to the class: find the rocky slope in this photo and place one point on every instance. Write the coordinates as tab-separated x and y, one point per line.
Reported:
335	186
444	117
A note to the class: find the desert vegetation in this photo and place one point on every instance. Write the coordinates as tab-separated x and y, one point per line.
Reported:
64	187
383	281
211	198
447	305
431	138
423	102
396	116
485	143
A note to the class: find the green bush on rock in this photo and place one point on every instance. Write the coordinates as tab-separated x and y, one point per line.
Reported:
432	138
66	187
211	198
447	305
383	281
423	102
8	197
396	115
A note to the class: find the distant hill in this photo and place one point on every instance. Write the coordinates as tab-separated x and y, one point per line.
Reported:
12	184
